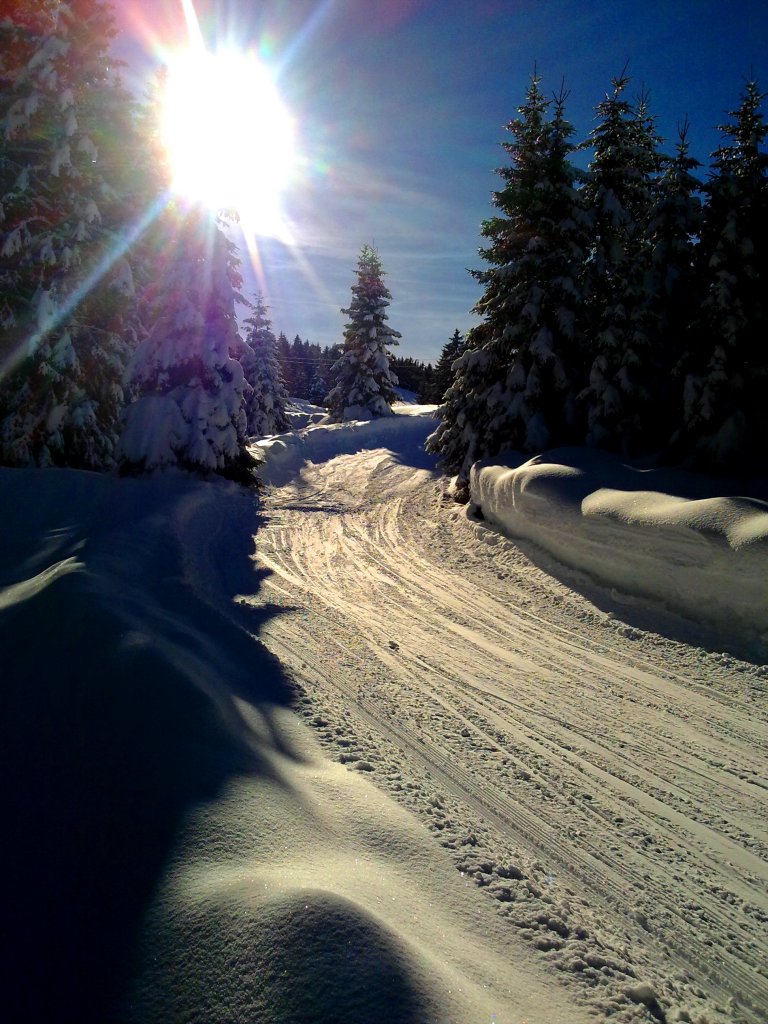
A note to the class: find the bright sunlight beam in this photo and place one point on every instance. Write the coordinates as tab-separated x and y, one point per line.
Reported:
229	137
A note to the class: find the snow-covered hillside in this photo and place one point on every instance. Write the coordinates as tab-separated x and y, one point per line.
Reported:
500	800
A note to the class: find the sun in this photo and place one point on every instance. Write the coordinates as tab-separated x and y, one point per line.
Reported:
228	135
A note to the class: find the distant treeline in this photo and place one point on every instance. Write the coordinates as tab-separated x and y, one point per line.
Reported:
305	369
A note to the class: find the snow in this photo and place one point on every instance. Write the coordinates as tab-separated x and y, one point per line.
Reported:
301	412
600	783
643	532
163	788
339	752
285	455
155	431
406	397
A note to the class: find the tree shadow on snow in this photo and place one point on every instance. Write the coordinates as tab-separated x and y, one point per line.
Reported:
120	680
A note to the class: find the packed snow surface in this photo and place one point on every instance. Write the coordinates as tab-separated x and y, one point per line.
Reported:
340	752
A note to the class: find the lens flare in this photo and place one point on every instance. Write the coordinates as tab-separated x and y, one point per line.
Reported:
229	137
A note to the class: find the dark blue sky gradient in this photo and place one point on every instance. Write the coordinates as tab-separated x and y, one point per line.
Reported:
401	107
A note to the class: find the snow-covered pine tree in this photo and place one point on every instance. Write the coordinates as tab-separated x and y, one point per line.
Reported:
66	292
458	440
724	404
318	387
516	382
672	234
442	376
188	389
620	331
543	304
266	399
363	383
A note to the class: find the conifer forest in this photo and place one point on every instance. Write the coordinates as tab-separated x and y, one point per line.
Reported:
622	301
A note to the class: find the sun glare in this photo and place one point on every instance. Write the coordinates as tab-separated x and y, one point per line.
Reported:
229	137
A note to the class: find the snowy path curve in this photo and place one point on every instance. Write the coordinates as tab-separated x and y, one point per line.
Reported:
606	786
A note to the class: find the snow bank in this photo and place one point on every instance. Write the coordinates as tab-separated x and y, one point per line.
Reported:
405	432
656	534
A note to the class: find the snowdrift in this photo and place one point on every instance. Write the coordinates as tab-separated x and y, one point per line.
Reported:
654	534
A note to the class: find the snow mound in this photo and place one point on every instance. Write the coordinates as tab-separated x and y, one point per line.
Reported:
301	413
404	432
654	534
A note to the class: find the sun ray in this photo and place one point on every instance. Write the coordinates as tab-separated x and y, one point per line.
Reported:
194	31
70	302
303	37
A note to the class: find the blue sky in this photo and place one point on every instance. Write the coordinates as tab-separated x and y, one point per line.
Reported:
400	108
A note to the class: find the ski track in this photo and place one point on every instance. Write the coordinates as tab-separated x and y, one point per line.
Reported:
624	771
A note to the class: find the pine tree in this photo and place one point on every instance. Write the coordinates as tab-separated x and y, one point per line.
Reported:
620	328
429	393
318	389
725	421
188	390
266	399
458	441
514	385
66	289
442	377
286	366
409	372
300	370
363	384
672	235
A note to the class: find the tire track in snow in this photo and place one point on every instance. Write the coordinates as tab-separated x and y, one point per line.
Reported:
649	775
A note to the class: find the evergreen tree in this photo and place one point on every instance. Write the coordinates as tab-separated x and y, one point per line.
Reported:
66	290
457	439
363	384
620	329
672	235
428	392
266	398
318	389
284	360
442	377
300	370
725	420
409	372
188	407
515	384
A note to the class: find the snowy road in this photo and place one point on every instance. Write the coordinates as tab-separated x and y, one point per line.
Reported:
604	785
